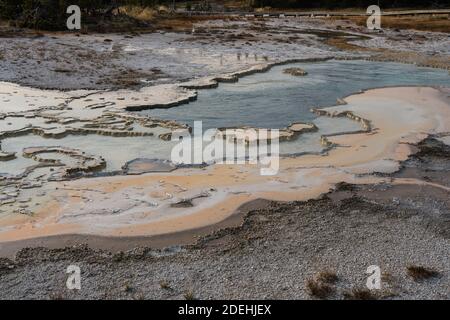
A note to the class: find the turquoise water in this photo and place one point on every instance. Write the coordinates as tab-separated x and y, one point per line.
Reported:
274	99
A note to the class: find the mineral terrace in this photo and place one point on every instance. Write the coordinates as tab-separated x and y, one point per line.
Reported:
150	229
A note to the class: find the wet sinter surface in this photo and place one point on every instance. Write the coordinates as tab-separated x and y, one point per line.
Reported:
275	99
265	100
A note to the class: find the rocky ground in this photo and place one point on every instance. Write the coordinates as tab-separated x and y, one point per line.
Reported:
205	48
315	249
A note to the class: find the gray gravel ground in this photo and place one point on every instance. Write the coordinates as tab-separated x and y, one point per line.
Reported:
112	61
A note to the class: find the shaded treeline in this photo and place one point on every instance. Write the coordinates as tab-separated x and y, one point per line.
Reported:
336	4
51	14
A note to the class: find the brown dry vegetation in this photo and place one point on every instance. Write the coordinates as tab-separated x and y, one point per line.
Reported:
180	23
189	295
164	285
419	273
319	289
360	294
342	44
382	54
139	13
322	285
327	277
438	23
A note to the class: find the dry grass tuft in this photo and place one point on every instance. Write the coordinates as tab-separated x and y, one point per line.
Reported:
387	277
164	285
360	294
319	289
127	287
138	12
189	295
322	285
419	273
342	43
327	276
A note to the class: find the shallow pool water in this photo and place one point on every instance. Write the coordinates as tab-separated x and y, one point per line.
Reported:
265	100
115	150
274	99
119	150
